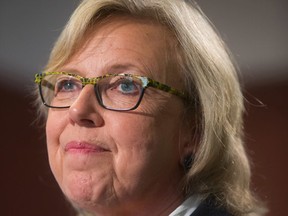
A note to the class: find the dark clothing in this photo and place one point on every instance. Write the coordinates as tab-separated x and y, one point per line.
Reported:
209	208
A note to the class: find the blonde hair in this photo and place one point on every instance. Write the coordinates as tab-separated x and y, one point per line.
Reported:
220	166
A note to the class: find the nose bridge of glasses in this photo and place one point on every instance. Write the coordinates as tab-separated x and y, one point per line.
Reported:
93	81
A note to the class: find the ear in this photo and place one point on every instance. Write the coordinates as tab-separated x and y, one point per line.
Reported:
186	149
190	135
187	141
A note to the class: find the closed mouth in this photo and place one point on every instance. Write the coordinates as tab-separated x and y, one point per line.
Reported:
84	147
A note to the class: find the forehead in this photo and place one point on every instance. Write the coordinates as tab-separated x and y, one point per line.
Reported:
138	29
125	40
127	34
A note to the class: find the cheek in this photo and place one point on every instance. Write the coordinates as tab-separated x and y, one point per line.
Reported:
143	150
132	163
55	124
54	127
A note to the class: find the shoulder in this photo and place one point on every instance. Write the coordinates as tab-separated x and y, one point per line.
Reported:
209	208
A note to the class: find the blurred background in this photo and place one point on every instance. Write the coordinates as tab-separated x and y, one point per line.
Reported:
256	32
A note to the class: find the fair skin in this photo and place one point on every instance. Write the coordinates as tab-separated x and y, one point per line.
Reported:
129	163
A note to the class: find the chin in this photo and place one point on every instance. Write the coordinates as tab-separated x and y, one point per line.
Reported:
84	193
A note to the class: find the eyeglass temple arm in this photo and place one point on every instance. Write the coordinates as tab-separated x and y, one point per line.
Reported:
166	88
39	80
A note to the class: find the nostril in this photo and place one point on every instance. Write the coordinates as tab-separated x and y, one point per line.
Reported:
87	122
83	122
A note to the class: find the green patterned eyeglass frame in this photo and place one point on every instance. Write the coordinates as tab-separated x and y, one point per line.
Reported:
146	82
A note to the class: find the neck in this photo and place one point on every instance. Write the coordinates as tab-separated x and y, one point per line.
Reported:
153	204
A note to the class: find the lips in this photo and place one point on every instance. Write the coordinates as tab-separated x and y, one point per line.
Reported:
83	147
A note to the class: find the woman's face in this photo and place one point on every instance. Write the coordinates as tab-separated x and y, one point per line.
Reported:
120	160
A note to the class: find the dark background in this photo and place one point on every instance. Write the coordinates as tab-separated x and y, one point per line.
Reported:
255	30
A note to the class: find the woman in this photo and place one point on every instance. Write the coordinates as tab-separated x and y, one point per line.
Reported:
145	112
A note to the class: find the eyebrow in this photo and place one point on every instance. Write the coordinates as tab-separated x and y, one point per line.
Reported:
114	69
120	67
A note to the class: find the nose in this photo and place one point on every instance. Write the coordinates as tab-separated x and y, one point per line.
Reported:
86	111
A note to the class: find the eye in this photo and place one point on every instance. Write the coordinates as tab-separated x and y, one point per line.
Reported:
127	86
67	84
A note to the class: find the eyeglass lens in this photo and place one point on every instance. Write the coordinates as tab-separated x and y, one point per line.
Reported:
113	92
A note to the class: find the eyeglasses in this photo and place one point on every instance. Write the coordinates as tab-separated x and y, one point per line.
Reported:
119	92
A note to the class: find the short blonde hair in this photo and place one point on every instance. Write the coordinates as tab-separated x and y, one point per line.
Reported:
220	167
